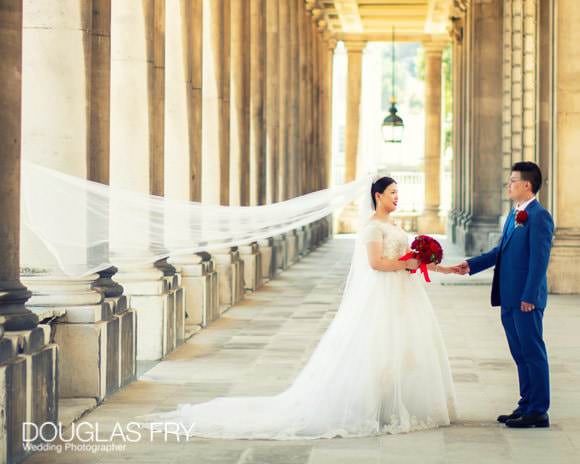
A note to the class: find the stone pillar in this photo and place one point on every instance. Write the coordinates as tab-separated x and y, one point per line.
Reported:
563	274
520	89
353	94
311	132
456	33
272	97
136	39
13	295
99	98
481	161
329	46
155	33
308	103
347	219
193	36
316	106
303	104
226	93
258	167
178	152
27	360
239	101
430	221
283	53
215	158
293	88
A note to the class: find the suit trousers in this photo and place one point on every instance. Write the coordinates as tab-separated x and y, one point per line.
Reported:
524	332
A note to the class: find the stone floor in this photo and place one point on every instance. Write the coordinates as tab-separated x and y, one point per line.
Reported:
259	346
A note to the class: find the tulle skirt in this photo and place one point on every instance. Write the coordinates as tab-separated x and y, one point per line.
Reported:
380	367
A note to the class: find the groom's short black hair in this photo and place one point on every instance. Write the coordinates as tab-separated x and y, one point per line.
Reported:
530	172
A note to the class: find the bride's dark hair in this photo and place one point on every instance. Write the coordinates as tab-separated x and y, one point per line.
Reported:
379	186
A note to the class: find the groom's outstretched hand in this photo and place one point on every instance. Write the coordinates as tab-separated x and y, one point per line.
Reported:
461	269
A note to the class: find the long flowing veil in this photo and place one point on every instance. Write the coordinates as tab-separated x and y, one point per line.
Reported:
327	398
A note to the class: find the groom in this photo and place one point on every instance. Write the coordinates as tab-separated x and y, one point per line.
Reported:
519	287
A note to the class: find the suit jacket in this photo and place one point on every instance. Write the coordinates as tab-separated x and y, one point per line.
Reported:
520	260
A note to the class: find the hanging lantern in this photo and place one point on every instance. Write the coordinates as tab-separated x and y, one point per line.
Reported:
393	125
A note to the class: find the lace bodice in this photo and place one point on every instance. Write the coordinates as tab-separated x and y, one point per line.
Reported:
395	240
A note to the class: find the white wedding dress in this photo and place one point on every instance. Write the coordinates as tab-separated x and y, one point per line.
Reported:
381	366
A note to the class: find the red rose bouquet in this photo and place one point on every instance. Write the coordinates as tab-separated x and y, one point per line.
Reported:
426	250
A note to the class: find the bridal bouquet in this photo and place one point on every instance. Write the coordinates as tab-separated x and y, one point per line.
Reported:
426	250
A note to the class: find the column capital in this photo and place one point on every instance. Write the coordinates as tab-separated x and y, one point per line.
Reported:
309	5
435	47
355	46
329	40
455	29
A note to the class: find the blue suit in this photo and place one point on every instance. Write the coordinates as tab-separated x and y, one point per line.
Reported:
521	262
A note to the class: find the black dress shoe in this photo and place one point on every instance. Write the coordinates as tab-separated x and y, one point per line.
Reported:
526	422
516	414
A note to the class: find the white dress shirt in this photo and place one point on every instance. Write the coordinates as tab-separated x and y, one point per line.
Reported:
525	204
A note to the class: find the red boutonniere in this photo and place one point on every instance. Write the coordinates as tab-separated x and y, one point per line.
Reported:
521	218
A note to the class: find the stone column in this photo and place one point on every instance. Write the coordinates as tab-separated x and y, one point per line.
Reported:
482	148
520	90
13	295
99	98
293	115
353	94
178	149
315	173
563	274
193	36
347	219
311	113
456	33
239	102
303	103
283	128
272	97
225	54
258	167
155	32
26	360
330	45
215	164
430	221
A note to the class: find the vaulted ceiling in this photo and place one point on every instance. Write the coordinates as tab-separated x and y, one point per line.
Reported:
375	19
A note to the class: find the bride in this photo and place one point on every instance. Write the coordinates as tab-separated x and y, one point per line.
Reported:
381	366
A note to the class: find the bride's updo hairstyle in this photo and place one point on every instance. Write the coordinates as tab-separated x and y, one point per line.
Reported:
379	186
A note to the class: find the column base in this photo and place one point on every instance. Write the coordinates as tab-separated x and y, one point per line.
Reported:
230	269
266	253
563	272
430	222
477	234
14	315
347	219
196	273
28	389
149	294
251	256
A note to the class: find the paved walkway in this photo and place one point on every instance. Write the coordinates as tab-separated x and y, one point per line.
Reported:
259	346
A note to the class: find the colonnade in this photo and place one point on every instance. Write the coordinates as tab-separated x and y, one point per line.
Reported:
219	101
